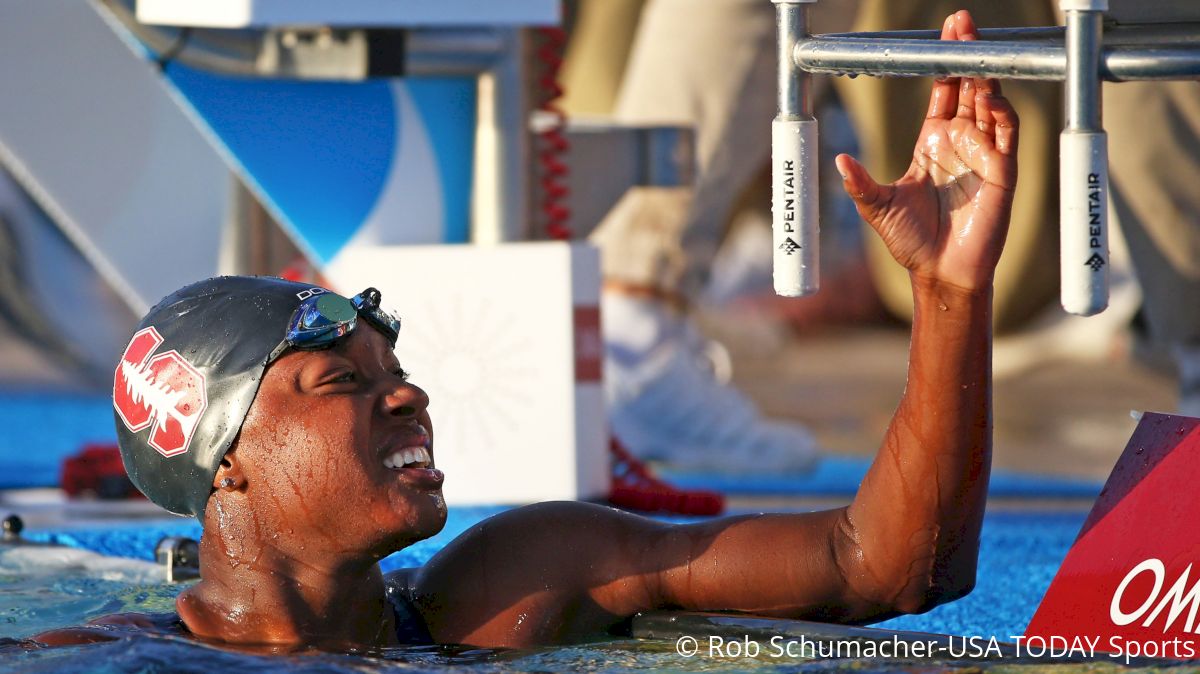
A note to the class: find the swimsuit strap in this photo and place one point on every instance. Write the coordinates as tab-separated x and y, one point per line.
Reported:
411	629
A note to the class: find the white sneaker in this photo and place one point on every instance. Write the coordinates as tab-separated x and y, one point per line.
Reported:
665	404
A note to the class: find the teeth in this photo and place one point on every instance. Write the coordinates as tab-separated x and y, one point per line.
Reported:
416	457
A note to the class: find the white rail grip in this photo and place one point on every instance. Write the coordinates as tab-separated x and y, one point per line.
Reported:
1083	5
1083	184
794	207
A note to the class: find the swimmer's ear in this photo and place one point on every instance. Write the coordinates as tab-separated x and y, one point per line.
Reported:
230	476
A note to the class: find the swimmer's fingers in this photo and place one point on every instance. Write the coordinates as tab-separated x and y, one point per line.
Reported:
965	28
105	628
985	89
944	98
138	620
966	100
871	198
74	636
998	114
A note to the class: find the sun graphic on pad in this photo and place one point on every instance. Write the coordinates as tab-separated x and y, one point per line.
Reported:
479	368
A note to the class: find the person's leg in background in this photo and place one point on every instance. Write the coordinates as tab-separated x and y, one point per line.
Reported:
710	65
1154	163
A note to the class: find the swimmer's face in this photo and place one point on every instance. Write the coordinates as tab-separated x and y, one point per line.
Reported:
317	444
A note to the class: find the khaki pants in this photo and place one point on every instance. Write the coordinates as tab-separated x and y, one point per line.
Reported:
1154	165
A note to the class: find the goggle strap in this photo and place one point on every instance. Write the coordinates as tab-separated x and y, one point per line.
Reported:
277	351
387	329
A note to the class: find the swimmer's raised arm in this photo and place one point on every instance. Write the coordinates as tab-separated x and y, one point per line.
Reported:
910	538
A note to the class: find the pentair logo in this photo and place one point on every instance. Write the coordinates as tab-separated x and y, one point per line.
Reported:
166	391
789	246
1095	262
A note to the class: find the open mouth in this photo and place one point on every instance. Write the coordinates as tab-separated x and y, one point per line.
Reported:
411	448
408	457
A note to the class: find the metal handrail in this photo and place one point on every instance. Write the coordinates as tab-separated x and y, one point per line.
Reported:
1014	56
1085	53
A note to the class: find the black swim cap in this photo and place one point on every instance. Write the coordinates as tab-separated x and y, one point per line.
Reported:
187	378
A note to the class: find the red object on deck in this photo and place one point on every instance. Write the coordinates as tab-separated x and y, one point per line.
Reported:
97	471
635	488
1133	573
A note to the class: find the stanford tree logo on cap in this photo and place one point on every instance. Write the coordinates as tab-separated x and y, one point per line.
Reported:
165	391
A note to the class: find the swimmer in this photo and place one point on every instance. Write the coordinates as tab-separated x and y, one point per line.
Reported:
279	416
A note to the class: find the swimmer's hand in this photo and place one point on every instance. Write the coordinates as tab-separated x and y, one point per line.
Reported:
106	628
947	217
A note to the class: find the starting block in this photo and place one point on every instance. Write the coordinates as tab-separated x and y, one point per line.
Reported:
1130	577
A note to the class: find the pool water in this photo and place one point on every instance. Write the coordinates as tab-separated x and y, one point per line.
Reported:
45	588
1019	554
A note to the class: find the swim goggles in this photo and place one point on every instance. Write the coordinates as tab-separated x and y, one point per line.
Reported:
322	319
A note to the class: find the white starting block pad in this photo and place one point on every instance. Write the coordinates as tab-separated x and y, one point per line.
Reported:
506	341
353	13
